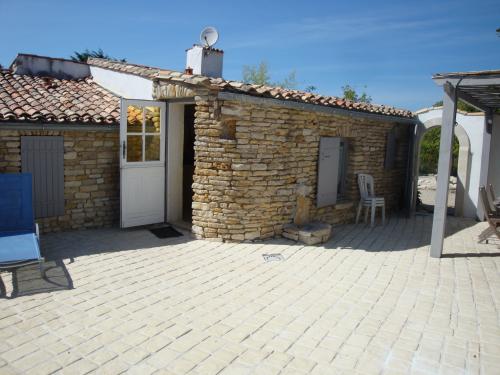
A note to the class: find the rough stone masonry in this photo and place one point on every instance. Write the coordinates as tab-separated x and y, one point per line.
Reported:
91	176
256	165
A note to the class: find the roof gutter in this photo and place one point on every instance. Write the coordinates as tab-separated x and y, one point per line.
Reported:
12	125
249	99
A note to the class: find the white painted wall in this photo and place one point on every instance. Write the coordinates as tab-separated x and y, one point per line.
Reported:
205	61
494	169
127	86
475	127
49	67
175	144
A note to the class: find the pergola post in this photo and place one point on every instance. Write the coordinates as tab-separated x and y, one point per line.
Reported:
444	168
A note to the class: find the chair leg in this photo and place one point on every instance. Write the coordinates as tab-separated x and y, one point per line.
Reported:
373	214
358	213
366	213
383	214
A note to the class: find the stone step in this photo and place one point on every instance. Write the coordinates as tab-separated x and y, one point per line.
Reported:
310	234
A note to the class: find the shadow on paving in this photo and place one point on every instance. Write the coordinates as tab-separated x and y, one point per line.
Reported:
470	255
399	234
27	280
61	246
75	244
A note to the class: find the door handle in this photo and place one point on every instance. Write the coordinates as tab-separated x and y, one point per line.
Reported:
124	149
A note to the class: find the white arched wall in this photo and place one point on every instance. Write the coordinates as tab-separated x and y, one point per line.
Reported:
463	160
472	168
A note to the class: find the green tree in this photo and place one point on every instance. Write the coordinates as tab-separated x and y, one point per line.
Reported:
259	75
289	82
461	105
429	152
311	88
350	93
84	55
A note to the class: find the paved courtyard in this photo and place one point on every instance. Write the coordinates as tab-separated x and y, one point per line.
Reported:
370	301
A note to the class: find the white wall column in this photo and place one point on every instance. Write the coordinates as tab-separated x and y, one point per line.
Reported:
444	168
463	171
174	161
494	156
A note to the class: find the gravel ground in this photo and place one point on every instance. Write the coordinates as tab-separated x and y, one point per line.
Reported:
427	188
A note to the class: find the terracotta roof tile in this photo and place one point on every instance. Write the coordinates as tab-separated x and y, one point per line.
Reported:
30	98
249	89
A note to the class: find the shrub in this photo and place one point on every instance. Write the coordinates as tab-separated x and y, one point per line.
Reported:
429	152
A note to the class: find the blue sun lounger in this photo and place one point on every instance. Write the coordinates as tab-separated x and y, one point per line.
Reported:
19	236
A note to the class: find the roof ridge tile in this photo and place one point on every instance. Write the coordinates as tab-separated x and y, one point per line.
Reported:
247	88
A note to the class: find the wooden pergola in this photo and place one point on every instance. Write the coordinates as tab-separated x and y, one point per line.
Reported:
479	89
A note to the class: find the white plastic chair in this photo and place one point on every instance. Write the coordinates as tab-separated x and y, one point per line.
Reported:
368	198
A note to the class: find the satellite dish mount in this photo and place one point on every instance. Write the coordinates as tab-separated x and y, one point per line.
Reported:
209	36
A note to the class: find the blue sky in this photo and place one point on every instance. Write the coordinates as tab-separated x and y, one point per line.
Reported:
392	47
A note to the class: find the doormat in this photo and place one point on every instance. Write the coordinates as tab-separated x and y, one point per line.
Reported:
165	232
273	257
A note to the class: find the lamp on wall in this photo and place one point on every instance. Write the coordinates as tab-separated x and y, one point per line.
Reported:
489	124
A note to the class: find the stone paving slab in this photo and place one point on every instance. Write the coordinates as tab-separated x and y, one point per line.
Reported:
369	301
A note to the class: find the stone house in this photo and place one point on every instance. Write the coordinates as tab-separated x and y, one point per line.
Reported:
111	142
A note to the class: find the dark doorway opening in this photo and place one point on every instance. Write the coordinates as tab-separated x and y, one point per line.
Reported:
188	163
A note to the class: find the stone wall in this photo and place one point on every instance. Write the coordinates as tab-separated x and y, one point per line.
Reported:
91	176
256	165
256	169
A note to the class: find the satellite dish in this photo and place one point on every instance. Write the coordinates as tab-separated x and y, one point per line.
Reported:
209	36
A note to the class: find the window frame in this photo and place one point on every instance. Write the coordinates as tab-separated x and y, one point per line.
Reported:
124	133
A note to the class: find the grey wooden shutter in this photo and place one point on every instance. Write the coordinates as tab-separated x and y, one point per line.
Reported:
343	164
390	150
43	157
328	170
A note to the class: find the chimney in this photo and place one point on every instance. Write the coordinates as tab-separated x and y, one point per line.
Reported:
206	61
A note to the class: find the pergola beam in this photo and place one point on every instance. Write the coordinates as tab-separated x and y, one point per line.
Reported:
472	101
480	89
444	168
468	81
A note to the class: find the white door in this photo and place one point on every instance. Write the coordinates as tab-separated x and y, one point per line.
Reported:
142	162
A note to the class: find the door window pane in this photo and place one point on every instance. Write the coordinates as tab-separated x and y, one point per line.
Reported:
134	119
152	119
134	148
152	147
